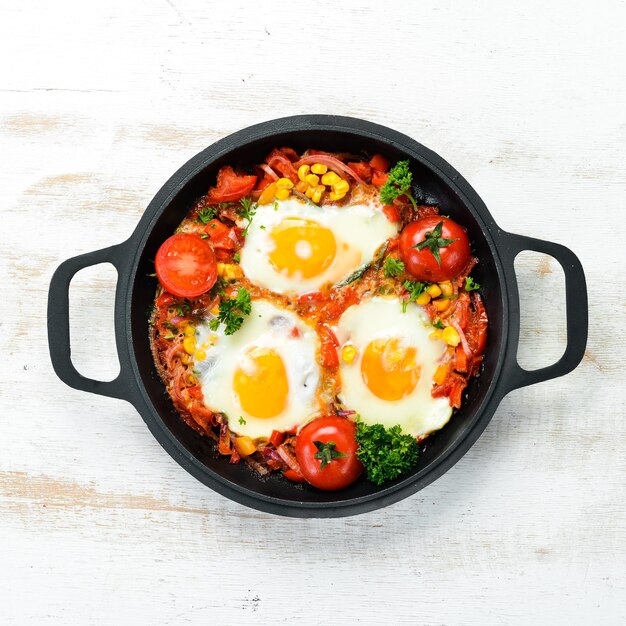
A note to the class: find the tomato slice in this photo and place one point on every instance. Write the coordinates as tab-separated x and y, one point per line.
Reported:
362	169
231	186
185	265
221	236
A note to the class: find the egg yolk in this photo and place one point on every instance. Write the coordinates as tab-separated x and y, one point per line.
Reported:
302	246
261	385
389	369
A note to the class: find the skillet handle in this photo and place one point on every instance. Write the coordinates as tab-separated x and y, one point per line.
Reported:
576	308
59	326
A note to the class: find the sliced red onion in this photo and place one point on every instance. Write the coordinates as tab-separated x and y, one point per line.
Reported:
269	171
464	343
345	413
288	459
332	163
271	455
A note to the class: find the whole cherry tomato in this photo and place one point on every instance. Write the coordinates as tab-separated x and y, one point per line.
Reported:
326	452
434	248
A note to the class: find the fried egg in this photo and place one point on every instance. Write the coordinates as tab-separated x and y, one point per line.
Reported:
293	246
265	376
390	379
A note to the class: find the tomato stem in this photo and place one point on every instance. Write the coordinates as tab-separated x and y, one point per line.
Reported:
326	452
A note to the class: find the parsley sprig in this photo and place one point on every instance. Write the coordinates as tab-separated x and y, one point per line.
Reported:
247	210
206	214
415	289
471	284
433	241
393	267
386	453
232	312
398	184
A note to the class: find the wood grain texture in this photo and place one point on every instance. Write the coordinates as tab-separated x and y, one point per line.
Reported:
101	102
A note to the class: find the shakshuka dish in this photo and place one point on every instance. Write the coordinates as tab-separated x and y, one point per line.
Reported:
315	318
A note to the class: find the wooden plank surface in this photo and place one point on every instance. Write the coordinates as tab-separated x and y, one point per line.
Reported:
101	102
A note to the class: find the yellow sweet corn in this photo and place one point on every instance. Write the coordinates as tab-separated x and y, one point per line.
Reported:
436	334
317	193
348	353
423	299
303	170
318	168
189	331
284	183
330	178
441	304
283	194
451	336
302	186
267	195
446	288
199	355
336	196
341	187
229	271
189	345
309	191
244	445
186	359
434	291
312	179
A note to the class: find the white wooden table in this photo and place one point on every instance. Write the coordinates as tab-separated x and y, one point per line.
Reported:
101	102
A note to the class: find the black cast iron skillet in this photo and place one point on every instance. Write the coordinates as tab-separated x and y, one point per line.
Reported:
439	183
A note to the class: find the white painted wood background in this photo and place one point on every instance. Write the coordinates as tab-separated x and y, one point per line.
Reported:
101	102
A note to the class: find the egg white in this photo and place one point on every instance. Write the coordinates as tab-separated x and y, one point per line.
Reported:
267	326
418	413
359	230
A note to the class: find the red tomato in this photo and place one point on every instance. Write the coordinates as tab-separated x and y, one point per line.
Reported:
379	178
231	186
276	438
328	347
185	265
434	235
164	300
293	476
220	235
326	451
362	169
379	162
392	212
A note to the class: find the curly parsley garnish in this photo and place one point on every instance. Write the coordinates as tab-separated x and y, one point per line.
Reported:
415	289
433	241
393	267
385	452
232	312
247	210
398	184
471	284
206	214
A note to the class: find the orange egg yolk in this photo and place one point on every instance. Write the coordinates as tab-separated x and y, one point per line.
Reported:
302	247
262	386
389	369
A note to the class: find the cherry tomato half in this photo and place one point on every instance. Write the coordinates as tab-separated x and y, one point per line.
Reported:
185	265
434	235
231	186
326	452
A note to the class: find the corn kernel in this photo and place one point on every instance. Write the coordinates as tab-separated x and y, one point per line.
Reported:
440	374
190	331
303	170
186	359
336	196
434	291
189	345
229	271
436	334
312	179
423	299
348	353
215	310
446	288
283	194
267	195
341	187
309	191
317	193
330	178
441	304
199	355
319	168
284	183
302	186
451	336
244	445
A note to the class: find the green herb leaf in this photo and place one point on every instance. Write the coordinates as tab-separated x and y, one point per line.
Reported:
236	257
241	420
275	206
433	241
218	288
385	453
398	184
206	214
203	236
183	309
232	312
170	336
326	452
415	289
247	209
471	284
393	267
438	324
151	275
